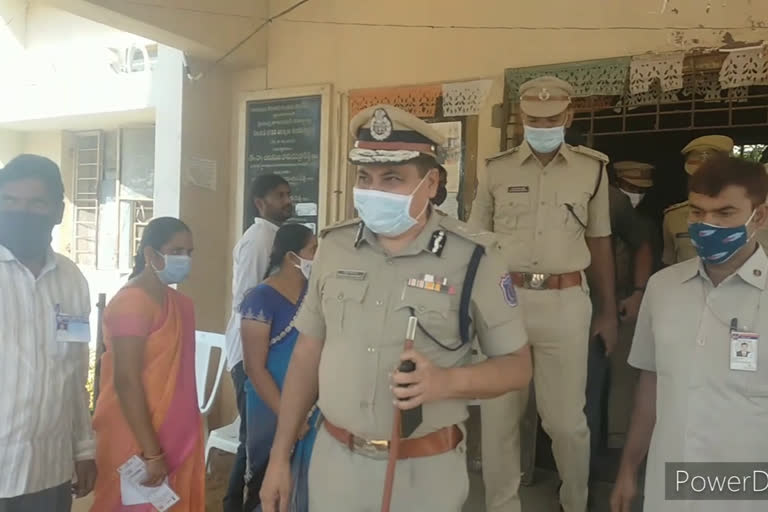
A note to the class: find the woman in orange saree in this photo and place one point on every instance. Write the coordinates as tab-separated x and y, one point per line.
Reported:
148	400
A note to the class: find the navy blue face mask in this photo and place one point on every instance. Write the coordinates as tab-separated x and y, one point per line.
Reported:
718	244
25	234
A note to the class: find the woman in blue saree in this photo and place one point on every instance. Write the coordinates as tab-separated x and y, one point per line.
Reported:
268	312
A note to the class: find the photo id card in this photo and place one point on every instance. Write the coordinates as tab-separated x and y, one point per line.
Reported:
743	351
72	328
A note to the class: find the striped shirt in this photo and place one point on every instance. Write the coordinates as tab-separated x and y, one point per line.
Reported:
46	422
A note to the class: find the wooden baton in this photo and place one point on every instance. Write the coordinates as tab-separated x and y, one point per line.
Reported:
394	443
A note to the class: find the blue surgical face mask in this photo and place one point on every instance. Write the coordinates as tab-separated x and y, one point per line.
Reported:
717	244
545	140
385	213
176	268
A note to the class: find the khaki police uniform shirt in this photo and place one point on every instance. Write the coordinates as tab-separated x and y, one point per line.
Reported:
705	412
529	207
677	241
358	302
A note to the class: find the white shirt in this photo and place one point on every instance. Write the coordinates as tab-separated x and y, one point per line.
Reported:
251	259
705	412
45	422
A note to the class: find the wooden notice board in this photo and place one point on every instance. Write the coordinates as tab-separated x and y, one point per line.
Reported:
283	136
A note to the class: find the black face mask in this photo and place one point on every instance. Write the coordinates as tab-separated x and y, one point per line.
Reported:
442	193
26	235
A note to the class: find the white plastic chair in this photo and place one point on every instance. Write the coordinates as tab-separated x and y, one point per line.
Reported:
205	343
226	439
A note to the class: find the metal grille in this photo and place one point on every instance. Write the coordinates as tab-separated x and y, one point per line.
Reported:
143	212
700	105
88	163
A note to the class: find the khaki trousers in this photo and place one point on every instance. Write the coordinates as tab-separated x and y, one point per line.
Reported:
344	481
557	322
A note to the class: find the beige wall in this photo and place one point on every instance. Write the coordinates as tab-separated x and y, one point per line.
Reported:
11	144
47	144
207	119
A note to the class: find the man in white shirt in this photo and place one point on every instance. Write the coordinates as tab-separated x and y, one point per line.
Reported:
45	430
694	392
271	201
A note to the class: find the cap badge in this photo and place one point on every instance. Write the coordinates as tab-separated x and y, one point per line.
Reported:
381	125
544	94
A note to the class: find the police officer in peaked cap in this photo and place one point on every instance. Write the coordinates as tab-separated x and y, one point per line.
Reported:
400	260
548	204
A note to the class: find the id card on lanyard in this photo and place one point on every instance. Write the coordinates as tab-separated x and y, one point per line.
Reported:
72	328
743	350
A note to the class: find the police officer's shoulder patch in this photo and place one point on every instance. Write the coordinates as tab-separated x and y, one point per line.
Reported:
344	224
502	154
508	290
590	153
676	206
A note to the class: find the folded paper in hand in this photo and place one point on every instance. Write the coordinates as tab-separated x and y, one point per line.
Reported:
132	474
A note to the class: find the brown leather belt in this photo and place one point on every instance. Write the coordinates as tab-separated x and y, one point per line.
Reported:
436	443
534	281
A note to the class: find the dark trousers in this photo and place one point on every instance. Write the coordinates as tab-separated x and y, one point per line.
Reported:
55	499
233	501
598	388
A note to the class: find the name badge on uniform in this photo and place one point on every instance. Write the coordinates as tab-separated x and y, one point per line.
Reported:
432	283
72	328
521	189
357	275
744	351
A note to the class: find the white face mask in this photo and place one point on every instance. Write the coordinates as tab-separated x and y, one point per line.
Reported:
634	197
304	265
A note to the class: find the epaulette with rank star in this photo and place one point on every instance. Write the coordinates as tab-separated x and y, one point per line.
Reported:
502	154
485	238
676	206
351	222
584	150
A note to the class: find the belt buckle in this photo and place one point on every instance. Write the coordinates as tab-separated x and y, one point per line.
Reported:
535	281
372	448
